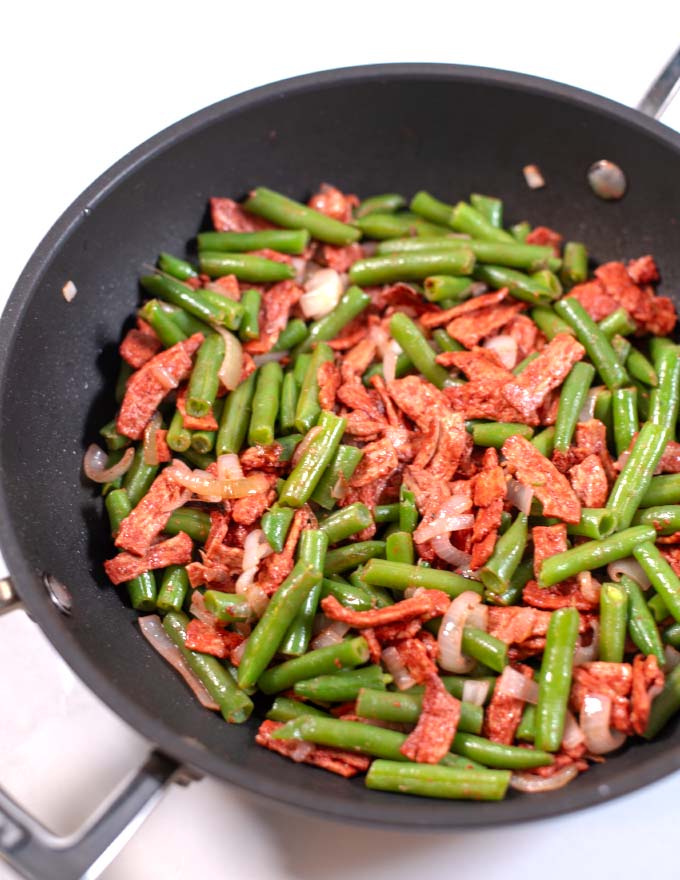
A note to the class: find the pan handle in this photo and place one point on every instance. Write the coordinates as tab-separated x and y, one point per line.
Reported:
662	90
38	854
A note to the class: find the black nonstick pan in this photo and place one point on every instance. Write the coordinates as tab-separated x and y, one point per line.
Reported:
451	130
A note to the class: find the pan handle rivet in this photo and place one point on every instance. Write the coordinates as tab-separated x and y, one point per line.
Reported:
58	593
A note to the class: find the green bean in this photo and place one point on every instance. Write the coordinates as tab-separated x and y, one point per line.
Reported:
322	661
520	231
633	481
464	218
234	704
592	555
496	433
411	266
284	709
594	341
521	286
294	333
661	575
617	323
403	366
657	344
625	416
595	523
341	468
399	548
493	754
412	341
526	730
621	348
640	368
354	736
603	408
227	607
356	596
174	589
312	548
664	518
176	267
489	207
192	301
124	374
658	608
671	634
441	287
455	684
246	267
549	279
509	549
386	202
387	513
452	783
408	511
288	403
187	323
139	477
524	363
113	458
405	708
249	327
484	648
306	474
352	303
665	398
346	522
510	254
662	490
352	555
343	686
308	407
290	214
665	706
512	595
265	405
178	437
270	630
163	324
114	440
572	397
613	620
641	625
236	417
574	263
445	342
141	589
285	241
196	523
204	381
555	679
545	441
430	208
275	524
400	576
380	225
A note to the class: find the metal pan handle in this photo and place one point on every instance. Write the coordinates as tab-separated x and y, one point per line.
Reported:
38	854
663	89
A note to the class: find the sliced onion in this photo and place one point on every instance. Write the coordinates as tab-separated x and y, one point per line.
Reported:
257	599
163	377
533	176
594	721
587	411
153	632
475	692
322	293
401	676
504	347
198	609
513	684
261	359
588	653
245	579
451	633
150	449
229	467
520	496
589	586
69	291
672	658
300	266
532	784
448	519
479	617
341	487
232	363
94	464
212	489
330	635
255	547
445	550
631	568
302	446
478	288
573	735
391	353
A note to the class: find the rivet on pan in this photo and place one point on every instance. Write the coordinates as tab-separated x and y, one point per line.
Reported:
607	180
58	593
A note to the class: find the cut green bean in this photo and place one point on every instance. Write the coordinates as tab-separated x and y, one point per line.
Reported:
484	648
496	433
312	548
545	441
284	709
408	511
442	287
308	406
574	263
350	556
285	241
671	635
275	524
520	230
338	474
555	678
509	549
228	607
380	225
641	626
572	397
306	474
265	405
142	589
174	589
294	333
617	323
178	437
400	576
195	523
633	481
236	417
138	479
282	211
411	266
322	661
249	327
246	267
665	706
383	203
521	286
176	267
430	208
193	301
399	548
550	323
665	398
497	755
665	519
664	489
594	341
625	417
166	328
346	522
343	686
204	381
444	341
387	513
405	708
662	577
464	218
425	780
613	623
354	596
412	341
489	207
595	523
288	403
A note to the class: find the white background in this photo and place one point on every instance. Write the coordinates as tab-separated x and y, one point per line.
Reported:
83	83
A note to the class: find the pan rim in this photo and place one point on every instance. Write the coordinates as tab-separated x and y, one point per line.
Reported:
388	812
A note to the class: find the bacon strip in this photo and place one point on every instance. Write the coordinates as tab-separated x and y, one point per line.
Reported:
125	566
276	305
343	763
647	682
504	713
194	423
443	316
144	524
208	639
425	604
433	735
549	485
139	346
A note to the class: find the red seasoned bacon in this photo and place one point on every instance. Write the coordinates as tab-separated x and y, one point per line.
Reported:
552	366
546	236
594	299
379	460
393	632
567	594
526	334
227	286
276	305
334	203
643	270
399	297
477	364
471	328
149	385
653	314
443	316
139	345
488	495
329	380
433	735
228	216
548	540
647	682
591	439
613	680
483	399
589	481
504	713
126	566
219	526
345	764
340	258
194	423
549	485
262	458
144	524
516	625
357	360
424	605
418	399
248	510
213	640
276	568
415	656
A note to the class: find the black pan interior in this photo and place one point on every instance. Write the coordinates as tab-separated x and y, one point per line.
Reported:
396	128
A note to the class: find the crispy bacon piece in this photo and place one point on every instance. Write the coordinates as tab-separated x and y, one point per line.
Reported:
546	236
345	764
329	380
276	568
399	297
139	345
504	713
517	625
163	452
483	399
567	594
149	385
488	495
471	328
393	632
249	509
228	286
547	372
354	395
432	736
144	524
379	460
589	481
613	680
669	463
647	682
374	647
477	364
594	299
274	313
591	439
262	458
653	314
424	605
194	423
430	492
340	258
228	216
415	656
357	360
126	566
526	334
353	333
562	760
438	318
643	270
548	540
418	399
549	485
208	639
334	203
219	526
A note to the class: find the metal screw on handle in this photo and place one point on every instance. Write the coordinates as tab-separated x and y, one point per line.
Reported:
9	601
663	89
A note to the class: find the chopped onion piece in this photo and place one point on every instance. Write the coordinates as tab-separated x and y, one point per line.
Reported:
238	652
212	489
391	353
533	176
331	635
630	567
520	496
245	579
94	464
475	692
302	751
594	721
255	547
302	446
445	550
68	291
513	684
257	599
232	363
479	617
504	347
300	266
451	633
587	411
150	448
573	735
448	519
589	586
588	653
533	784
163	377
229	467
198	609
401	676
160	641
322	293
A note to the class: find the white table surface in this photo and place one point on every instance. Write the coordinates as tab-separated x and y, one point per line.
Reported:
83	84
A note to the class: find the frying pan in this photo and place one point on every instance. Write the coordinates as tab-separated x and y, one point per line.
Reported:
448	129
